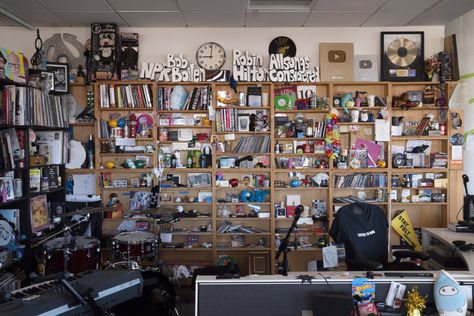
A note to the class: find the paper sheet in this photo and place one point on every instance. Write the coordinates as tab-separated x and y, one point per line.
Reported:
469	143
330	257
382	130
84	184
456	153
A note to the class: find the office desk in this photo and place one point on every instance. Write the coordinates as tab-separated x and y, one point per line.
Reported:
280	295
438	242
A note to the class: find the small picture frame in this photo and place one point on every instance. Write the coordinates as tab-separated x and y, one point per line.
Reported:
244	123
280	212
61	77
199	180
39	213
46	81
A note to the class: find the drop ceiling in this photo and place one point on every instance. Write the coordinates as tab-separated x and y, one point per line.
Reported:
233	13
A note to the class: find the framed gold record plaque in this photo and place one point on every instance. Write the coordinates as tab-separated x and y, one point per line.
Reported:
402	56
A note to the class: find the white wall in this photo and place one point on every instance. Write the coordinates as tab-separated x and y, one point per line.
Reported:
463	28
155	43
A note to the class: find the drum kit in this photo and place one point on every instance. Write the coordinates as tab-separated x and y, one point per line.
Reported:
65	253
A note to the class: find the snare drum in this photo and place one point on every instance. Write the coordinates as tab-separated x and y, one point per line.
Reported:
84	254
135	244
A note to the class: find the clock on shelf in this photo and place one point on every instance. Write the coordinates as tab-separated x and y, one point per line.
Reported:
210	56
282	45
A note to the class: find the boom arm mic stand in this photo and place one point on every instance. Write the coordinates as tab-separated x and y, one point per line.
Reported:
284	243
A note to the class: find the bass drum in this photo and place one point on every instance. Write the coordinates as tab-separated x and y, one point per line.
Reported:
158	297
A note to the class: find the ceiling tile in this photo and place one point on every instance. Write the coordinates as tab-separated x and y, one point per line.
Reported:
21	5
275	19
86	18
212	5
403	5
336	19
41	18
348	5
392	18
445	12
70	5
144	5
214	19
149	19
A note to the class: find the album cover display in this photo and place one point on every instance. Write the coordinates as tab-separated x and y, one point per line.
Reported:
402	56
129	56
105	40
366	68
336	61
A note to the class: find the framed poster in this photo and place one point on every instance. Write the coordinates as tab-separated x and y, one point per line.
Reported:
402	55
39	213
60	72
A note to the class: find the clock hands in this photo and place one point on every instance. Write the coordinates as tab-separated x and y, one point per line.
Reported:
210	54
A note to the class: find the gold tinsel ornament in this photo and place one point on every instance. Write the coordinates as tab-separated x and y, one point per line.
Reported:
415	303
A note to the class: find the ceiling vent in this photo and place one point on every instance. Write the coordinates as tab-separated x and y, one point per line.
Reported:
279	5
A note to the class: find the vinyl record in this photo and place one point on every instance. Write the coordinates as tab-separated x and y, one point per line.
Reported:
282	45
402	52
282	102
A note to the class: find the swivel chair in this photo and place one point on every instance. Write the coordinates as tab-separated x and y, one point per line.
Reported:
363	229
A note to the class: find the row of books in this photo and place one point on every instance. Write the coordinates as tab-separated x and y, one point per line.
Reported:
44	179
198	99
31	106
12	148
227	120
360	180
253	144
125	96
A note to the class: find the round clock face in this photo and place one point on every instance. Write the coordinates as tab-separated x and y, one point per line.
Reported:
282	45
210	56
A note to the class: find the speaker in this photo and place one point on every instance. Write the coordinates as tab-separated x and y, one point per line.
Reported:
468	208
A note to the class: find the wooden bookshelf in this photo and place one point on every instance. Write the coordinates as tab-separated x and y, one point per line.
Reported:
440	212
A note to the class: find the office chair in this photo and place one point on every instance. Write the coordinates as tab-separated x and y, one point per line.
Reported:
363	229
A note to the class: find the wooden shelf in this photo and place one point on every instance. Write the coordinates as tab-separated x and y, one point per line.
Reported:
125	189
366	188
417	203
377	203
186	170
299	155
303	111
361	170
18	200
419	170
401	138
242	133
241	154
340	108
185	126
127	109
127	154
182	203
243	249
326	170
248	108
185	249
136	139
187	189
243	234
80	171
419	188
302	189
46	192
124	170
298	139
419	108
182	111
222	219
253	203
356	123
242	170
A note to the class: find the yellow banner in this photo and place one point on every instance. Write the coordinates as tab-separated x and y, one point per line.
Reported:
402	225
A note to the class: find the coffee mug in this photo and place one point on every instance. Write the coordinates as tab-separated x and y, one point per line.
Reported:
355	115
371	100
361	195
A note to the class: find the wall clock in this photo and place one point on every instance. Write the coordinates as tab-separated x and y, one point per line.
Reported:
210	56
282	45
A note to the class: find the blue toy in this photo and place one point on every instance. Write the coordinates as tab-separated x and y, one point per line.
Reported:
295	183
259	196
448	295
246	196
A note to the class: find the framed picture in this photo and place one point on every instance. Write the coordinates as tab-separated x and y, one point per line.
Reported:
244	123
199	180
46	81
402	56
39	213
60	72
280	212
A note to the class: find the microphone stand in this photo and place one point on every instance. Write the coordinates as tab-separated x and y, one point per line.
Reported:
284	243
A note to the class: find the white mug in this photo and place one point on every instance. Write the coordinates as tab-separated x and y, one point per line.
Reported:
355	115
371	100
361	195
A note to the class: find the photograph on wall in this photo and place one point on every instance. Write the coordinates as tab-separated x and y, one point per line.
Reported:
60	72
12	66
39	213
402	56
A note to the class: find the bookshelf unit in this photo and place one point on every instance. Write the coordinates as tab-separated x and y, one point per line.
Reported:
28	112
269	169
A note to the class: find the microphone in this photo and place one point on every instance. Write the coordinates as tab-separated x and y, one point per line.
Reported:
299	210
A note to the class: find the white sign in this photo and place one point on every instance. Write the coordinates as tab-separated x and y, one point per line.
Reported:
176	69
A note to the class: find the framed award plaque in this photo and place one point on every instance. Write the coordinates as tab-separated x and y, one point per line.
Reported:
402	56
